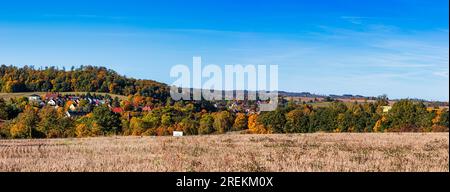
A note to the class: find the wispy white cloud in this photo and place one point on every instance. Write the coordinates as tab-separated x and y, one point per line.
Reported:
358	20
443	73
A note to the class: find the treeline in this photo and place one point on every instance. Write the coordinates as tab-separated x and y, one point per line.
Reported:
193	119
81	79
405	116
49	122
20	118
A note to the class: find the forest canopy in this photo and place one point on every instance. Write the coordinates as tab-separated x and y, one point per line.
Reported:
81	79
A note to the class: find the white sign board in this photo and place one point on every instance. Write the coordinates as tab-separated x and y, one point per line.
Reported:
177	133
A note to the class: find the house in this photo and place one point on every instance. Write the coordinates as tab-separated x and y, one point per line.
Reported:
386	108
50	96
34	97
51	102
147	108
75	99
73	114
233	105
60	102
72	107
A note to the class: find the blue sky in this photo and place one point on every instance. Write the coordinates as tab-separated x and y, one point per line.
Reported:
394	47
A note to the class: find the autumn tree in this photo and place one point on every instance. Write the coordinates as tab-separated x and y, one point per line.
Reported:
11	110
240	122
3	110
254	126
48	125
24	125
53	123
344	122
137	126
166	120
152	119
188	126
297	122
223	121
274	121
206	124
108	121
441	125
86	127
251	122
84	105
407	115
444	118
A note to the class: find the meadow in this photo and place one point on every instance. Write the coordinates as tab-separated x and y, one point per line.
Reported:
324	152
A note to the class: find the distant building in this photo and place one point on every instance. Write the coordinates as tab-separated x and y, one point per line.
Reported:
34	97
386	108
177	133
72	107
51	102
73	114
50	96
147	108
117	110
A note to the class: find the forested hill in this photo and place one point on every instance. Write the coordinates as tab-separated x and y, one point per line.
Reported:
83	79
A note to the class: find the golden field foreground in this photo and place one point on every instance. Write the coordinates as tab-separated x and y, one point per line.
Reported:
232	152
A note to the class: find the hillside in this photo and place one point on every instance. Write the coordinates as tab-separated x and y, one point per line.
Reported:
22	80
83	79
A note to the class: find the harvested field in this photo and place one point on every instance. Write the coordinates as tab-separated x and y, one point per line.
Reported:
233	152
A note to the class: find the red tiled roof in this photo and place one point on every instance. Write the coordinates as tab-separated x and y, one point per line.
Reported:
51	95
147	108
117	110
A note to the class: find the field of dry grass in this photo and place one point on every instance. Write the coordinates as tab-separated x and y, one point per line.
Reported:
293	152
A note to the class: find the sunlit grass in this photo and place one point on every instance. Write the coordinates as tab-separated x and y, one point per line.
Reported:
238	152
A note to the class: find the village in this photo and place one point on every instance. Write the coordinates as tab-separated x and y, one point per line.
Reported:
77	105
81	104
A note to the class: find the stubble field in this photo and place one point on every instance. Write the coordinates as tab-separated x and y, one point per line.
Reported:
232	152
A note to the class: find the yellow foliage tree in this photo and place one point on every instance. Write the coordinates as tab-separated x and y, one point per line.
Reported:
377	126
240	122
137	126
82	130
25	124
19	130
254	126
252	122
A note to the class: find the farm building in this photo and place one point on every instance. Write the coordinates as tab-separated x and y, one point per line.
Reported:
34	97
74	114
386	108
